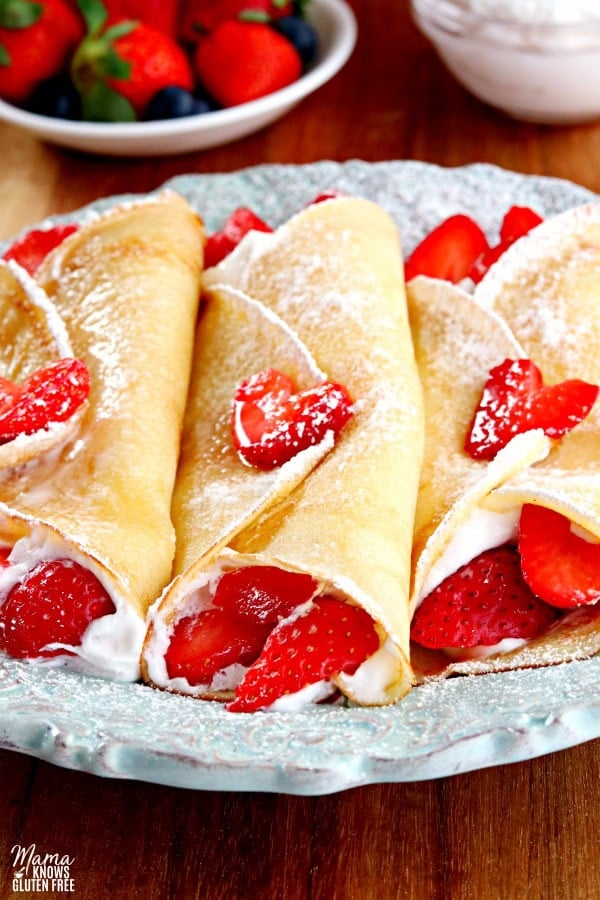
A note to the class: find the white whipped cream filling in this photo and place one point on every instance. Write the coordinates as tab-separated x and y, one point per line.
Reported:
369	681
482	530
482	651
111	645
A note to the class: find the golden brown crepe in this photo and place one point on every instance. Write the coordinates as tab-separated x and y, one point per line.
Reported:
33	336
127	285
547	291
334	275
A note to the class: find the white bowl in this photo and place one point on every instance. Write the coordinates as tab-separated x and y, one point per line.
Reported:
540	63
337	30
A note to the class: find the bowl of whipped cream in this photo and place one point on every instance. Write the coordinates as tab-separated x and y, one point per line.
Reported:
537	60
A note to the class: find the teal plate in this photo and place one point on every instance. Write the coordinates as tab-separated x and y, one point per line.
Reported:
440	729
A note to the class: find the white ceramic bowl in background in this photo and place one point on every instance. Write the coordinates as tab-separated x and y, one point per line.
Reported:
527	60
337	30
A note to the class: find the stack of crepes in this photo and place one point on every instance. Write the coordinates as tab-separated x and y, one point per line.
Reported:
33	336
89	522
322	297
540	301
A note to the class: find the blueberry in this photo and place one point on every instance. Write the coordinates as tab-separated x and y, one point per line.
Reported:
176	103
302	35
56	97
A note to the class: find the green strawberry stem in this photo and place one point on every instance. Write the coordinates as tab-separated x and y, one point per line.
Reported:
17	14
95	61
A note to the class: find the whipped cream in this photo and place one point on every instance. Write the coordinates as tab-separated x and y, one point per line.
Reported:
539	12
111	645
537	60
369	682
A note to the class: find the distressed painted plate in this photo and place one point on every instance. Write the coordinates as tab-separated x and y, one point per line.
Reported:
131	731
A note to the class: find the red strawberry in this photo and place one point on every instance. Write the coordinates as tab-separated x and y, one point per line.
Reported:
239	223
36	40
518	221
242	61
329	194
332	637
51	394
161	14
271	424
449	251
118	69
200	17
514	400
9	391
203	644
54	603
4	554
483	603
262	594
31	249
558	565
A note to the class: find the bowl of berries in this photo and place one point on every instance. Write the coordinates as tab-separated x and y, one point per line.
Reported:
149	77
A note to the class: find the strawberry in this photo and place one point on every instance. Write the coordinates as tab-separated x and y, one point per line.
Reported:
558	565
221	243
30	250
118	68
37	38
54	603
51	394
449	251
161	14
332	637
262	594
481	604
242	61
4	554
9	392
203	644
515	400
200	17
271	424
518	221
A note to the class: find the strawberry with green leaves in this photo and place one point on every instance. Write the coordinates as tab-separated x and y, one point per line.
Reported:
121	65
37	38
241	61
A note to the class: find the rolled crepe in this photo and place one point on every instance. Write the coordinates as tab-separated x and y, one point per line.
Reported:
127	285
546	290
33	336
334	274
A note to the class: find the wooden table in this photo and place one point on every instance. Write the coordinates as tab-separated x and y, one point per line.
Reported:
523	831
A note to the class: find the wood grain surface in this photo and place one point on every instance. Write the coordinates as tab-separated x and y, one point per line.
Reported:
523	831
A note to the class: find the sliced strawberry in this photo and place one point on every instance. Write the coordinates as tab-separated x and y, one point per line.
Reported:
515	400
481	604
270	424
208	641
558	408
30	250
518	221
239	223
262	594
449	251
558	565
329	194
501	413
4	554
54	603
332	637
52	394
